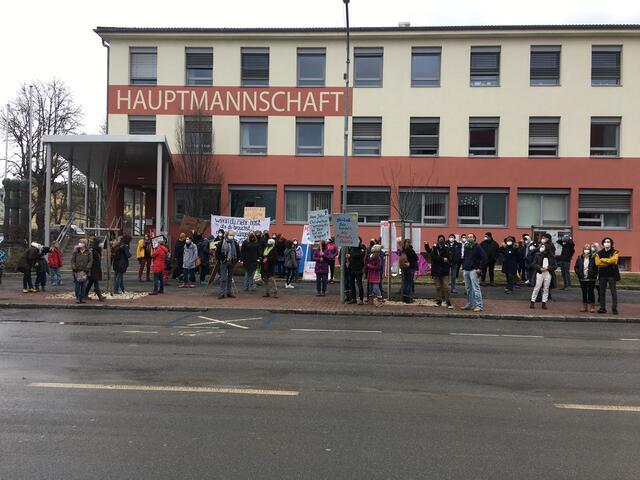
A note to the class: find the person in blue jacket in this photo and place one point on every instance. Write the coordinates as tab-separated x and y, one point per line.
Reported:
474	261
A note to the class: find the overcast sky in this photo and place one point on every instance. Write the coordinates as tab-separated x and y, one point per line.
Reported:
57	40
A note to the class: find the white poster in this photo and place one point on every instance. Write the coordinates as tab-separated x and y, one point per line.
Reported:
319	225
306	240
415	235
242	226
384	233
309	272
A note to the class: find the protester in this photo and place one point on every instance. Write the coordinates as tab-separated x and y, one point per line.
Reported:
408	263
26	264
3	261
41	267
205	258
95	274
595	248
545	264
143	254
474	260
609	274
456	262
281	245
268	259
189	257
81	263
227	255
510	260
374	275
299	259
322	257
214	248
332	253
528	263
587	273
158	266
290	263
178	252
55	264
564	259
491	249
523	250
250	253
442	260
356	258
120	260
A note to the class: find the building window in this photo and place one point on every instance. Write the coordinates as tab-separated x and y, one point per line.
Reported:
299	201
543	136
198	134
309	136
623	263
428	207
255	67
544	68
252	196
311	67
604	208
424	134
485	66
199	66
425	66
482	207
542	207
142	124
200	201
605	64
605	136
371	204
253	135
483	136
367	69
366	136
143	65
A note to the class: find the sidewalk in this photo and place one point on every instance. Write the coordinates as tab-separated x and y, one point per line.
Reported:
302	300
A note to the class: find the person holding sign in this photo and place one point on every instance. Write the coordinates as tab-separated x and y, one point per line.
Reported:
228	255
322	257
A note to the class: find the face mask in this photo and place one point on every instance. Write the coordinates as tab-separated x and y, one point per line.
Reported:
587	252
452	239
509	243
532	248
231	237
593	249
542	249
486	238
607	245
82	245
544	240
188	242
526	239
464	240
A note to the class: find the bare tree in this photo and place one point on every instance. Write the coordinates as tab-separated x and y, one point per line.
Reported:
406	190
200	168
53	112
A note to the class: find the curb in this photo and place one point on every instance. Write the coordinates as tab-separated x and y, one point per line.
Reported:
301	311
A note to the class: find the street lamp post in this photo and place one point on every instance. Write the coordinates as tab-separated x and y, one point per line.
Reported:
6	145
29	154
345	161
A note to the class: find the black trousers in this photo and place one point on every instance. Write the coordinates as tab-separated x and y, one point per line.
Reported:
491	267
588	291
604	281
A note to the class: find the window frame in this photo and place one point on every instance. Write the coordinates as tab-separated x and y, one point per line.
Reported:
556	49
141	118
423	192
197	51
485	50
255	51
253	188
426	52
430	121
545	121
313	52
310	121
477	122
353	189
607	49
607	121
177	217
541	193
601	212
143	51
254	120
309	191
482	192
189	120
368	52
354	138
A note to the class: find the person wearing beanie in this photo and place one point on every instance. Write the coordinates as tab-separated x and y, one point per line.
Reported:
510	261
609	274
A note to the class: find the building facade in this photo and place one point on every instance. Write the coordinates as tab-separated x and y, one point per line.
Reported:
456	128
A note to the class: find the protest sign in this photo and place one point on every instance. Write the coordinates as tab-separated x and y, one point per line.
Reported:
242	226
306	240
309	272
319	226
254	213
189	224
345	229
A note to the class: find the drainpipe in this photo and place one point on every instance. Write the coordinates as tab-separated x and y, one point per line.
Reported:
107	45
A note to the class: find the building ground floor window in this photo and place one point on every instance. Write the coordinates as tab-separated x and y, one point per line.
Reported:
199	201
482	207
241	196
299	201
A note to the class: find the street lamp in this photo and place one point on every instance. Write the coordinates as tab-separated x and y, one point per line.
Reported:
345	161
29	155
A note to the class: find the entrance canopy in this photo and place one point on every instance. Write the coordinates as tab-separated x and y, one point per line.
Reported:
93	155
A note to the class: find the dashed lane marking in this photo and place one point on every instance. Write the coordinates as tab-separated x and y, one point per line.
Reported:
138	331
168	388
611	408
494	335
335	331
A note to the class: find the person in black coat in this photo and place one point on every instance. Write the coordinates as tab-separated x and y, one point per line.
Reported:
609	274
564	259
355	257
25	266
545	264
587	273
456	262
510	261
120	262
442	258
491	249
408	270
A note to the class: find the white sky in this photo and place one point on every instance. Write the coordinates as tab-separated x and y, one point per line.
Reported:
57	37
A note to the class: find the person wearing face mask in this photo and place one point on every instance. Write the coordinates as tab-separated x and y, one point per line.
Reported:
528	263
595	248
228	255
454	267
249	255
523	247
189	255
460	256
491	249
441	260
81	261
545	264
178	252
268	259
474	261
608	274
408	265
587	273
564	259
120	259
511	259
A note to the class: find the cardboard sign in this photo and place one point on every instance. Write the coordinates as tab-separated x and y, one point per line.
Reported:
242	226
319	225
255	213
345	227
305	240
189	224
309	272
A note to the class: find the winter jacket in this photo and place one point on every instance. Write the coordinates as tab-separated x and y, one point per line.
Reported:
568	250
159	256
144	249
41	265
178	251
189	255
28	260
121	255
356	259
332	252
592	270
539	258
250	253
55	258
321	258
96	264
290	260
491	249
222	251
456	252
510	259
203	251
412	258
81	261
268	259
607	263
475	257
374	268
441	260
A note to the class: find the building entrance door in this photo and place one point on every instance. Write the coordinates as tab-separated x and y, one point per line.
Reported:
133	215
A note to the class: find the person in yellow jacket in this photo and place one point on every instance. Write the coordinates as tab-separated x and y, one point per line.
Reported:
608	274
143	253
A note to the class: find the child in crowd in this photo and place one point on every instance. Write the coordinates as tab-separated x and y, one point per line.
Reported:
42	269
55	263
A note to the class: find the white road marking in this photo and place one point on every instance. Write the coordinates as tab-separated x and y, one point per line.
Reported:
612	408
522	336
137	331
168	388
494	335
329	330
224	322
630	339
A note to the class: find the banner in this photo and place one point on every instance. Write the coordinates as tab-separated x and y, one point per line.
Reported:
319	225
255	213
242	226
345	228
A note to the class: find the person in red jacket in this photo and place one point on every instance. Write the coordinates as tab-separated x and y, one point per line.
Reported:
55	263
158	258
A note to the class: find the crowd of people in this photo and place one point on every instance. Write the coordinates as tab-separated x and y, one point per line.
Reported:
197	259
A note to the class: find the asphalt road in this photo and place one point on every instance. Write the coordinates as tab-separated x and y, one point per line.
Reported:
314	397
